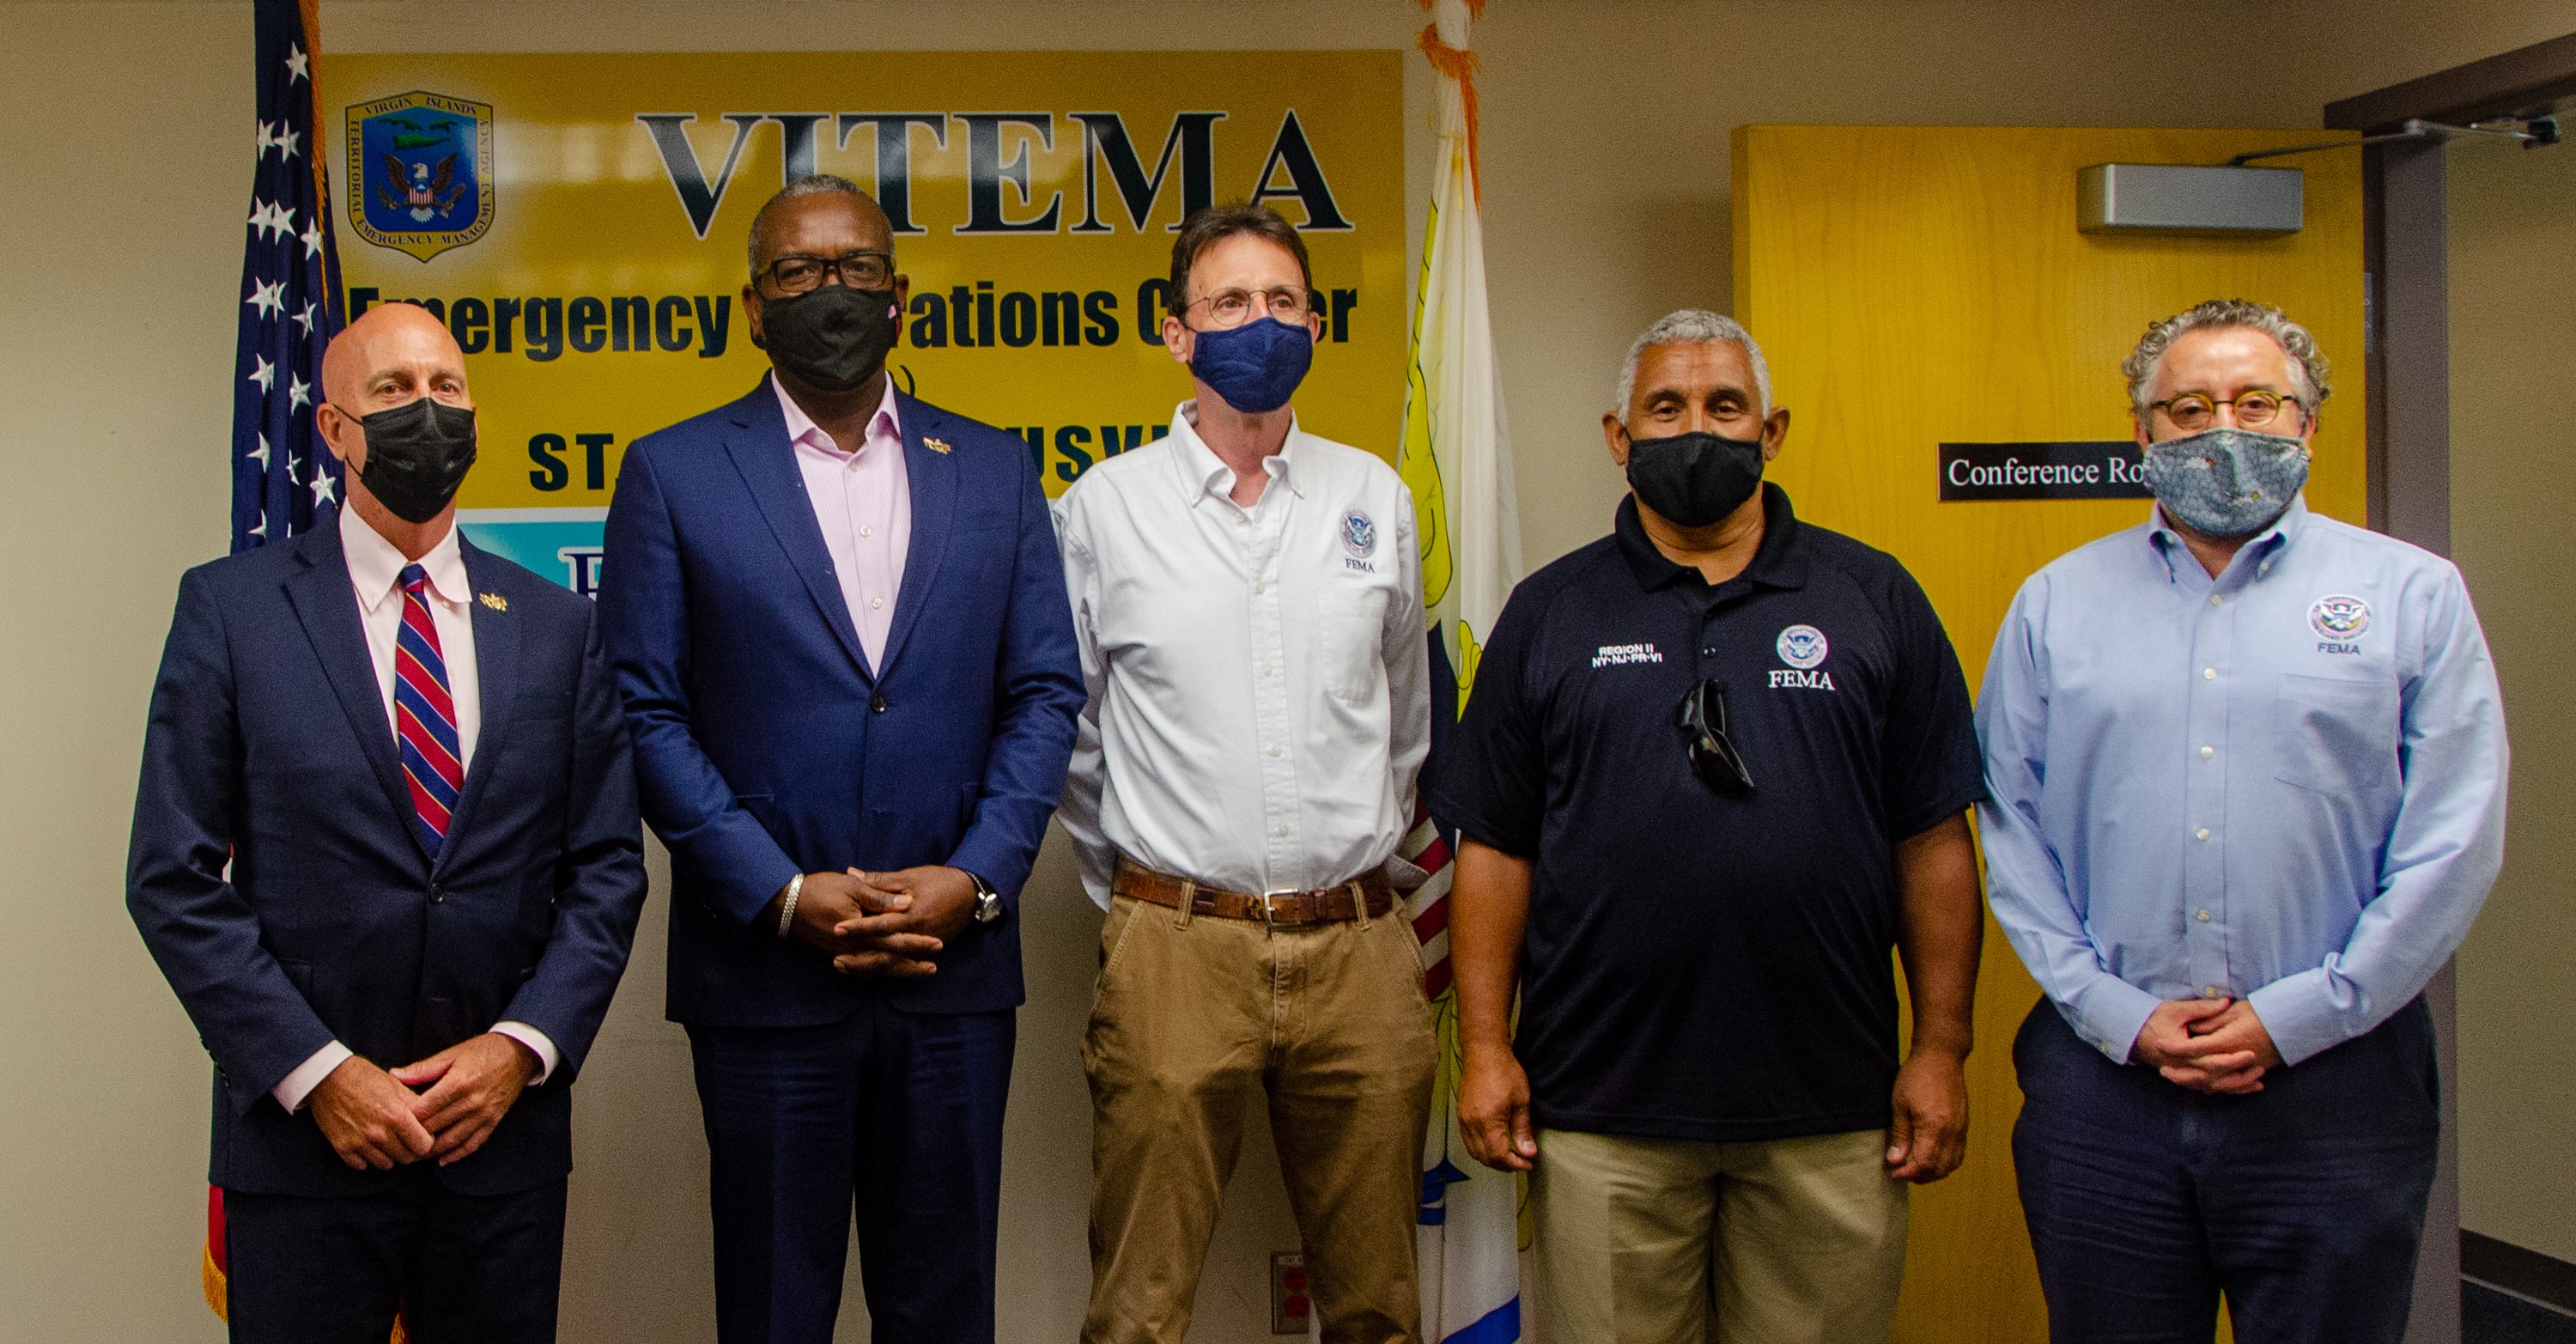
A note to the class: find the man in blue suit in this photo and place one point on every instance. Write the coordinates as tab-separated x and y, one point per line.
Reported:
388	814
840	624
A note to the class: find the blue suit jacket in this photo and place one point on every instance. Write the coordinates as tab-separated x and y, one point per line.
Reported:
269	747
767	746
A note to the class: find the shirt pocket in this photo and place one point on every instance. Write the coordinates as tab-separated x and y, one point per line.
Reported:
2335	734
1350	633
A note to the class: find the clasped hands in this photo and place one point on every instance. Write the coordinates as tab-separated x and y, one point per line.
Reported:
382	1118
888	924
2217	1046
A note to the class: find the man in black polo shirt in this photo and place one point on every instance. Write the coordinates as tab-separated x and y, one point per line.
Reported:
1714	767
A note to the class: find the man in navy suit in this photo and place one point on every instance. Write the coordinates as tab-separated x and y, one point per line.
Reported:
840	624
388	814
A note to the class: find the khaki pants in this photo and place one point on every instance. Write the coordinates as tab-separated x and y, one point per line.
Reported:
1192	1019
1791	1241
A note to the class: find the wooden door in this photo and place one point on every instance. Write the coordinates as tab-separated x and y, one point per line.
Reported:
1915	286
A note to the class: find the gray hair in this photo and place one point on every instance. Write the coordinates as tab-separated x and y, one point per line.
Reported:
811	184
2308	361
1692	326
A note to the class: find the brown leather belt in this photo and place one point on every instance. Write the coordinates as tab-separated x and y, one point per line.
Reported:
1327	906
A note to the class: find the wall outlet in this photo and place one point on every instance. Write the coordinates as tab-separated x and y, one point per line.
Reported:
1289	1306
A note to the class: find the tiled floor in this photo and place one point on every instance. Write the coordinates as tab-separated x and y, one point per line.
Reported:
2491	1317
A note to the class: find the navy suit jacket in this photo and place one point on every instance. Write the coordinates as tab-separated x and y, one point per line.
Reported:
269	747
765	743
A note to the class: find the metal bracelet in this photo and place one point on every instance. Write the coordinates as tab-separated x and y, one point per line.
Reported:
787	909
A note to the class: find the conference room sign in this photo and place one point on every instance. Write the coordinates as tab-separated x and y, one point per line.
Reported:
579	222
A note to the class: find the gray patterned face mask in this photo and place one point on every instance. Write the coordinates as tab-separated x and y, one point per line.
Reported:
2226	482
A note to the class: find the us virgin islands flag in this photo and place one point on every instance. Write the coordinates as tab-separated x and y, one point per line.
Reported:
1458	461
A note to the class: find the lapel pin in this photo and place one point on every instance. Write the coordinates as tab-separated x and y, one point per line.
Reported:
493	600
935	445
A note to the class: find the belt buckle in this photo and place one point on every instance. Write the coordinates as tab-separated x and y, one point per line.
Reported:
1269	911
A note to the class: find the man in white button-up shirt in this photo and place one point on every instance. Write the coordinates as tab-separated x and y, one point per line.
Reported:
1248	601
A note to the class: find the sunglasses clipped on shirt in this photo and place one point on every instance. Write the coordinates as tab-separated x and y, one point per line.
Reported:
1713	756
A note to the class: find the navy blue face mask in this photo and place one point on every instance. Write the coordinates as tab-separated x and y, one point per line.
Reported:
1256	367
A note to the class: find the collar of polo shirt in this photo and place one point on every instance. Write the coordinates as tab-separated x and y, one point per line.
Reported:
1777	563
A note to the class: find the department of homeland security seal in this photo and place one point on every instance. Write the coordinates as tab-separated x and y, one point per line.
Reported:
1359	534
1801	646
2339	616
420	172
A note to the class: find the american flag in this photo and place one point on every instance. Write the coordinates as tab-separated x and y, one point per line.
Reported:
282	472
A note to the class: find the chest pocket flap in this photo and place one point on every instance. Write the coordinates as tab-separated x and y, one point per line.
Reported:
1349	632
2336	734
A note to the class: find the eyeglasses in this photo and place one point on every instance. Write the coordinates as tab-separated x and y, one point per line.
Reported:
2196	412
1713	756
1234	307
803	275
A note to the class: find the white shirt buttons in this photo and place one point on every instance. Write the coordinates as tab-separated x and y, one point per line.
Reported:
2201	834
2213	599
875	603
2207	752
2209	674
2201	915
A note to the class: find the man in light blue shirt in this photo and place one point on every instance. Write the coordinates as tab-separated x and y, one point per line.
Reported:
2247	777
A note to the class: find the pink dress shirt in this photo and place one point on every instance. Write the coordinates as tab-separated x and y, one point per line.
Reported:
863	502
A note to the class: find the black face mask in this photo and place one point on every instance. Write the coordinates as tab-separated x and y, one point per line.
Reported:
1694	479
833	338
417	454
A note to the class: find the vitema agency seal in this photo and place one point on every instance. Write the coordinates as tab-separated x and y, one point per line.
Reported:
1801	646
421	172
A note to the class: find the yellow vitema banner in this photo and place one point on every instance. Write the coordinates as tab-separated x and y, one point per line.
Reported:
580	223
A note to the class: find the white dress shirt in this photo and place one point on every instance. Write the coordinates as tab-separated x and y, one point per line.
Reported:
863	503
1259	677
375	571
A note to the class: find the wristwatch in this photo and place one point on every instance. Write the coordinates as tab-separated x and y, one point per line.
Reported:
988	902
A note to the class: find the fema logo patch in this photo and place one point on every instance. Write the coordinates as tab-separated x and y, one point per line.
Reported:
1801	646
2339	617
420	172
1359	534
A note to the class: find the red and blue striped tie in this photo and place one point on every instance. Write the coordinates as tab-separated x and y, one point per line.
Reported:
425	715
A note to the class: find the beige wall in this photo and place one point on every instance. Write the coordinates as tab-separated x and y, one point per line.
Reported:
2513	429
1605	129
